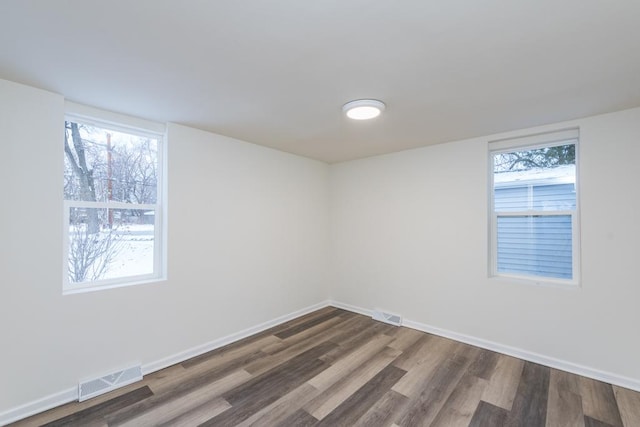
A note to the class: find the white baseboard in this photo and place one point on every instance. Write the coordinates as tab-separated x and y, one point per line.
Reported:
221	342
563	365
530	356
37	406
350	307
71	394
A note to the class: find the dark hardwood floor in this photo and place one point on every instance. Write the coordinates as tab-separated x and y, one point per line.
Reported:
336	368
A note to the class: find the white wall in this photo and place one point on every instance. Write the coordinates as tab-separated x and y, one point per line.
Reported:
409	235
247	244
249	233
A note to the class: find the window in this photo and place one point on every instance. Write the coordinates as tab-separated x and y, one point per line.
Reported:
534	203
113	212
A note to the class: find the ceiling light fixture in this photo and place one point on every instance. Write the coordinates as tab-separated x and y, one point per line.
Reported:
363	109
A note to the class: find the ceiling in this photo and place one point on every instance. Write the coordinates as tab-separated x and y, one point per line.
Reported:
277	72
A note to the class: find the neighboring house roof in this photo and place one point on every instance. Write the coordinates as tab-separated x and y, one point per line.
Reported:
565	174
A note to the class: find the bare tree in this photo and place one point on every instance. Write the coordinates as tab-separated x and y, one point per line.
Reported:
135	173
537	158
104	166
90	254
90	250
81	170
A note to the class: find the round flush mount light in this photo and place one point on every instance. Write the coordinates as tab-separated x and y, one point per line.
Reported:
363	109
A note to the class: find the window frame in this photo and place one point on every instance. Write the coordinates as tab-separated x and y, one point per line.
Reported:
524	143
133	126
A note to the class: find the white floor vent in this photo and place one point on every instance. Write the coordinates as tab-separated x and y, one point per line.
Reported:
392	319
94	387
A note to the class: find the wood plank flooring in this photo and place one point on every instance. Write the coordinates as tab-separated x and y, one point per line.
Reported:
337	368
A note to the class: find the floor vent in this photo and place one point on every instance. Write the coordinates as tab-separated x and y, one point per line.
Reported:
97	386
392	319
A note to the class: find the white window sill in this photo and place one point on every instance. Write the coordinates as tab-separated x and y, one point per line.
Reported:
84	288
536	281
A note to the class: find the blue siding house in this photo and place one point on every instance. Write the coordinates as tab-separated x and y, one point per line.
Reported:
534	219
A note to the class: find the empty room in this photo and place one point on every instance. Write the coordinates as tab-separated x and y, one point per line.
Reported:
332	213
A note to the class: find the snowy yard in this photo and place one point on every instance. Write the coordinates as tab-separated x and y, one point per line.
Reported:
136	255
134	245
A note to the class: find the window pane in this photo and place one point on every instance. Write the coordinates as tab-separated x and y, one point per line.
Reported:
110	243
511	199
554	197
535	159
535	245
540	179
549	195
103	165
535	203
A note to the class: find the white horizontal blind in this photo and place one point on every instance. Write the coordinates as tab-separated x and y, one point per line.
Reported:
540	139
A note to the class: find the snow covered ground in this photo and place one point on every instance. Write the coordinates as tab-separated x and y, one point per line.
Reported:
135	245
136	254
